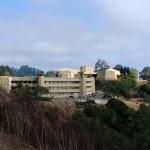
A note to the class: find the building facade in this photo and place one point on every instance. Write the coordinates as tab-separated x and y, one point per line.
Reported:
108	75
71	73
57	87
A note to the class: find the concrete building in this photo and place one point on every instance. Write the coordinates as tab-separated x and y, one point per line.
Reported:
87	70
61	87
71	73
67	72
108	75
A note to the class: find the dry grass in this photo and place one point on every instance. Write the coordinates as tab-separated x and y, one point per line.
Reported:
133	102
8	142
45	126
141	82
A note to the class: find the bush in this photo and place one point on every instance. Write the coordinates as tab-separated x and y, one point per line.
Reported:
88	127
144	91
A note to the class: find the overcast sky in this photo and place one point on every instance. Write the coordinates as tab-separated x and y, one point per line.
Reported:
51	34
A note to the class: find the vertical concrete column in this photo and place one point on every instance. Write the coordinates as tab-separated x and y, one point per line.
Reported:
41	81
93	84
83	92
9	84
40	84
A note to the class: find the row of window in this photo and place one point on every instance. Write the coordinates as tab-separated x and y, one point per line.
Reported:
63	94
48	82
15	87
61	82
88	87
88	82
64	82
24	82
64	88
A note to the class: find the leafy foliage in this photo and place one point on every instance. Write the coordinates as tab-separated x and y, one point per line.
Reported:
87	127
145	73
5	71
39	73
24	92
26	71
125	86
144	91
100	65
123	69
28	93
123	127
53	74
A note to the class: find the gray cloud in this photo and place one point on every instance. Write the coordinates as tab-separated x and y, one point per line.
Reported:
118	32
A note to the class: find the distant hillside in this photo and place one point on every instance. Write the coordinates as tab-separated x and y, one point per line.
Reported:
24	70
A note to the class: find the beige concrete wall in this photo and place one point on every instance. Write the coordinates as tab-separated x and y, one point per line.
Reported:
23	78
62	87
68	73
66	85
83	90
58	87
5	83
87	69
108	74
71	73
92	84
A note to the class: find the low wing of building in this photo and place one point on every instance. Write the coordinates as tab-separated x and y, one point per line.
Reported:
57	87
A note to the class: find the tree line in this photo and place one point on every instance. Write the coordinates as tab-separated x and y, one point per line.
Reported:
124	70
127	84
26	70
100	64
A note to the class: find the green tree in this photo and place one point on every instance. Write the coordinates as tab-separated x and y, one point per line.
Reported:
24	71
144	91
145	73
119	68
24	92
124	70
5	71
50	74
101	65
43	90
124	87
40	73
81	74
134	72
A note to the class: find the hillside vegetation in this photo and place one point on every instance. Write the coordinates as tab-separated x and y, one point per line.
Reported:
29	124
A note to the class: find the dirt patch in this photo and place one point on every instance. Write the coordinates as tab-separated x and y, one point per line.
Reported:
134	102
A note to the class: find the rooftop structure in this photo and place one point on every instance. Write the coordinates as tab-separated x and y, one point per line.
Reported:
87	70
67	72
108	75
72	73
